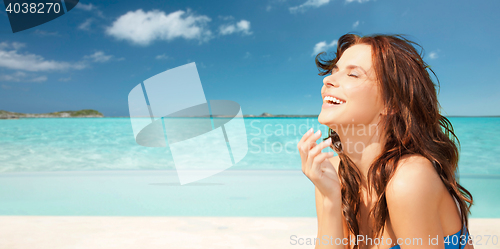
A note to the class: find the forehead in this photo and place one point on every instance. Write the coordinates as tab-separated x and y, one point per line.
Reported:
357	55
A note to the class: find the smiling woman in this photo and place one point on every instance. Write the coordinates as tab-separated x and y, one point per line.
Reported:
394	176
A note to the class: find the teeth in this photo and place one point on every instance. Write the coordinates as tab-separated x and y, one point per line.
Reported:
335	100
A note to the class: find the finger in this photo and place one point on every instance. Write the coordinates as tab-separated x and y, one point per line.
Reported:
301	145
318	160
315	171
306	149
318	148
327	168
310	142
305	136
304	146
303	149
314	152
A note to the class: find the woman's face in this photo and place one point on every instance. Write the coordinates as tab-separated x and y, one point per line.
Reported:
351	93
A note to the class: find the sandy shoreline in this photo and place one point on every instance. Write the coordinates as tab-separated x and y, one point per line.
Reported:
55	232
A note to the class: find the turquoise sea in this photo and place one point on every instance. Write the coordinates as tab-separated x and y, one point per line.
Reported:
93	166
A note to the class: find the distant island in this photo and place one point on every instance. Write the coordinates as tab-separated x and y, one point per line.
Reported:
268	115
263	115
89	113
86	113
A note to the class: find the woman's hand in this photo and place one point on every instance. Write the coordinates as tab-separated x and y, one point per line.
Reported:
316	166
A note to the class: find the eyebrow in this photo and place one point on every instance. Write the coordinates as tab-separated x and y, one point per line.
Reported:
350	67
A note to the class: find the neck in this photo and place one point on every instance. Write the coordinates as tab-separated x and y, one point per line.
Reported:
362	144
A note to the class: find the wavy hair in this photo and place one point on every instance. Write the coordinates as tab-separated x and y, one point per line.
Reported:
413	125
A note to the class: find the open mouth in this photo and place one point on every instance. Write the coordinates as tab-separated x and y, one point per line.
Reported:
333	101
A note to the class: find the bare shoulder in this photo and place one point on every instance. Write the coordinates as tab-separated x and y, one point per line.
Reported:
415	182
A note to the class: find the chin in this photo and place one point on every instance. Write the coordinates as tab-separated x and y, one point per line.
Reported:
322	119
328	119
337	119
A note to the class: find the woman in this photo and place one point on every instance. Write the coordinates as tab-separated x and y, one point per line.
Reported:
394	176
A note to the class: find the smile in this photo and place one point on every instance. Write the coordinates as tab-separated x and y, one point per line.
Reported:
333	101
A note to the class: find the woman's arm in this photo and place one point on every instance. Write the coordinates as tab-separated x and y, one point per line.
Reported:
323	175
319	209
330	224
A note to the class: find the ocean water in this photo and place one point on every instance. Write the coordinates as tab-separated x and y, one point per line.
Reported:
53	144
49	166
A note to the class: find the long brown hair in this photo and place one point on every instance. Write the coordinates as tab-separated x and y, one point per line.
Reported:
413	125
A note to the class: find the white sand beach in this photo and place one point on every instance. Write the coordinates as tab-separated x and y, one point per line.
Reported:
149	209
96	232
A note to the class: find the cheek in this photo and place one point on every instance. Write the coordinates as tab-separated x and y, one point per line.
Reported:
365	97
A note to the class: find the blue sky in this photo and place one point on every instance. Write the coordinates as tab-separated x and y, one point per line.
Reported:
257	53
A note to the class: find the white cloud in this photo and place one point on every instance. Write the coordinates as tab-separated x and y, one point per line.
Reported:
434	54
86	7
12	59
247	55
22	77
242	26
17	45
39	79
16	77
6	87
226	18
142	28
90	7
356	24
86	25
323	46
45	33
359	1
308	4
227	29
98	56
274	3
13	45
162	57
65	79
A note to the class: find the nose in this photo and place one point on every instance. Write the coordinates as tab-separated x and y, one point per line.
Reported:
331	81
